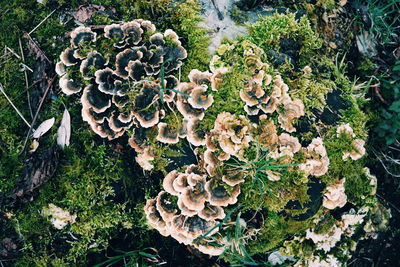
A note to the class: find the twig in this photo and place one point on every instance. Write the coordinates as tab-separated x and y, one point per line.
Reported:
26	35
13	52
42	21
12	104
26	79
390	203
37	112
20	94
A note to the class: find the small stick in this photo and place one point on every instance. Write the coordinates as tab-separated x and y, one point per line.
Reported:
26	35
37	112
12	104
26	79
13	52
20	94
42	21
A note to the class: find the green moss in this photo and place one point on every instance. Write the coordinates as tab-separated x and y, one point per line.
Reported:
269	32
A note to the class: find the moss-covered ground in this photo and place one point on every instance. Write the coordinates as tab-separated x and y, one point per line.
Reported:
99	180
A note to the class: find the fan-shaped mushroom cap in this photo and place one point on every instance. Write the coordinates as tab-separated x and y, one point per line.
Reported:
180	183
69	86
138	140
157	39
154	218
358	150
165	206
114	31
82	34
216	78
268	104
219	195
133	32
199	77
210	213
186	229
200	99
195	136
147	119
104	131
253	93
60	68
233	177
335	196
187	111
210	159
94	60
146	25
185	210
172	35
318	162
252	111
210	249
195	194
291	142
94	99
212	141
292	109
108	82
248	98
67	57
234	133
123	59
345	128
93	117
168	183
317	147
167	135
143	159
136	70
120	121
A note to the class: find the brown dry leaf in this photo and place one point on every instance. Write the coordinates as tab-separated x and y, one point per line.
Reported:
342	2
84	13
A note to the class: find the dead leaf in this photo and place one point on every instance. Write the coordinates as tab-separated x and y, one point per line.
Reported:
84	13
64	131
43	128
342	2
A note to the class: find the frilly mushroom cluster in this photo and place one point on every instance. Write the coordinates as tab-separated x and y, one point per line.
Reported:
357	150
112	67
190	206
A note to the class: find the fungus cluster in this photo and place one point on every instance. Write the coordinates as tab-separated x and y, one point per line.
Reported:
239	116
357	149
190	206
116	68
